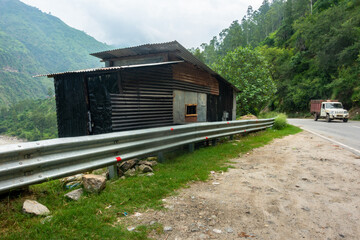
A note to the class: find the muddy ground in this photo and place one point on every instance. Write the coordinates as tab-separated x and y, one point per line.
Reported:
298	187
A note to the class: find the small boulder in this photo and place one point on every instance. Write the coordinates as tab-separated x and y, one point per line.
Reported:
149	163
145	168
126	165
130	173
33	207
94	183
75	195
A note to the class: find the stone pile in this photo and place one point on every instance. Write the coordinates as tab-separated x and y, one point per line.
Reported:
134	166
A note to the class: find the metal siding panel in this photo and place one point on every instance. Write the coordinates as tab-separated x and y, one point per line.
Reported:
179	107
201	107
188	73
100	87
146	100
71	106
191	98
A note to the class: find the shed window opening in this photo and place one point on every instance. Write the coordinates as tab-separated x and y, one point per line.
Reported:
191	110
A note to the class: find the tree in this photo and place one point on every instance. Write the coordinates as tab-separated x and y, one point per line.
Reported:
248	71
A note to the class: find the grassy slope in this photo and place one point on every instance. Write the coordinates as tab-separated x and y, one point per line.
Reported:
83	220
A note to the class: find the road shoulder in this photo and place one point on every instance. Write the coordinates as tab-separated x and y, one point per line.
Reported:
300	186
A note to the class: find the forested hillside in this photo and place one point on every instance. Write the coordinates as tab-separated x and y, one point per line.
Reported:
30	119
33	42
310	48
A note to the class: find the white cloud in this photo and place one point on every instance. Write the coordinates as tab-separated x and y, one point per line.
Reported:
134	22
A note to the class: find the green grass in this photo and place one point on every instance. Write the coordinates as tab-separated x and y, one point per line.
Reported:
90	219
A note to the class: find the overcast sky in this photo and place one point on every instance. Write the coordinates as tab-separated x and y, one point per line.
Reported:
133	22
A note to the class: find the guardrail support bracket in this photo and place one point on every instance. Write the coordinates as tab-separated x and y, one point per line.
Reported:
191	147
160	157
113	171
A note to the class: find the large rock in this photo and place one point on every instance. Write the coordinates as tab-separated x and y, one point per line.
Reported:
126	165
145	168
94	183
33	207
149	163
75	195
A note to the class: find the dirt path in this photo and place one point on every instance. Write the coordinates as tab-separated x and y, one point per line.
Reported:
298	187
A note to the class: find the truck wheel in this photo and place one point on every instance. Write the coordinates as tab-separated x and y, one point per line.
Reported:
345	120
328	118
316	117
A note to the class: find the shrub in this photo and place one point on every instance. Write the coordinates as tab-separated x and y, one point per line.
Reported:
280	121
3	129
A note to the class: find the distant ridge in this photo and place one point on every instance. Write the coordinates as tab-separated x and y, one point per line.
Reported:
33	42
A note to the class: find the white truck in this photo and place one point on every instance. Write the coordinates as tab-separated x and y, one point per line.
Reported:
328	109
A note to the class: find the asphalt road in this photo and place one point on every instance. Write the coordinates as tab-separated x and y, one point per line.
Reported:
346	135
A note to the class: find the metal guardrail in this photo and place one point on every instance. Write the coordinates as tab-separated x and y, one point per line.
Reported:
29	163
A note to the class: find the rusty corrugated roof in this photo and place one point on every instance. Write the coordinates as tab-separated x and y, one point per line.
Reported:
107	68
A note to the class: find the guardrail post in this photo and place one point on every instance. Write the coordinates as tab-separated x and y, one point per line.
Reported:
231	137
160	157
191	147
213	142
113	171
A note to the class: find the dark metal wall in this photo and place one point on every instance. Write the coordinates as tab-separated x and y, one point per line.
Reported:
216	105
100	86
145	99
71	105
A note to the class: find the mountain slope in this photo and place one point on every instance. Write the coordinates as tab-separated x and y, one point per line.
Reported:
33	42
313	51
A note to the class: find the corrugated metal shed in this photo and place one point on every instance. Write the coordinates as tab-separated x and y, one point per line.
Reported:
173	47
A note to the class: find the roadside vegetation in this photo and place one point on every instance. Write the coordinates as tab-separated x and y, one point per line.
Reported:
310	52
30	119
92	218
